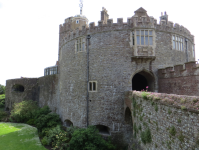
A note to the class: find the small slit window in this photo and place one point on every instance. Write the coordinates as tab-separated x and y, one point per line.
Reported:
92	86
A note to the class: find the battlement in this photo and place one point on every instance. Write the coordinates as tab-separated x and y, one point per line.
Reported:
187	69
139	20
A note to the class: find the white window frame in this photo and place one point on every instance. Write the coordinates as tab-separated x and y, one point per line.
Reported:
80	45
92	89
145	34
177	42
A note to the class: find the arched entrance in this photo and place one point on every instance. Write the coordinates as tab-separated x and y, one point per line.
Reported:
143	79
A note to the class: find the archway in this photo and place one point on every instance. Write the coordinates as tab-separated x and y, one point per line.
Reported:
128	117
68	123
143	79
103	129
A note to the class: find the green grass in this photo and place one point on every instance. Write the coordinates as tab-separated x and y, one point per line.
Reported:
18	136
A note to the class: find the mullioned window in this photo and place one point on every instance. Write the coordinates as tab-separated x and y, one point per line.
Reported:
144	37
80	45
177	42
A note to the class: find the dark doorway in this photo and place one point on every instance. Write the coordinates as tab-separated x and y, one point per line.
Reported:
102	129
139	82
143	79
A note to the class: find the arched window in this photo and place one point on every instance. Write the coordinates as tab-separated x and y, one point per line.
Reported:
103	129
18	88
68	123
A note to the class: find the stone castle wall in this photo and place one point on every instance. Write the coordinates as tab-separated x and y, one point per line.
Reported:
180	79
30	91
160	113
44	90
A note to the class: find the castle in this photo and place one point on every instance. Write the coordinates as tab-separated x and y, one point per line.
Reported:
97	64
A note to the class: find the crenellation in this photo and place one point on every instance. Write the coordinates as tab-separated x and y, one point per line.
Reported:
155	22
100	23
91	25
129	21
170	23
109	22
185	69
120	21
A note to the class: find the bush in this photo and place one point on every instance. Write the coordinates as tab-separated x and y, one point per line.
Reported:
3	115
44	141
2	100
88	139
2	89
146	136
40	111
48	121
22	112
57	137
31	122
144	95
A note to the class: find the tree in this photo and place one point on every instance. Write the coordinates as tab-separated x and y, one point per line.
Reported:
2	89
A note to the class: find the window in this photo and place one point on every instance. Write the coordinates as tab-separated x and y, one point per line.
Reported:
80	44
77	21
92	86
50	71
144	37
177	42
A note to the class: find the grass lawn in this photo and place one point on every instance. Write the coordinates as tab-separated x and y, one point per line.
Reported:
19	136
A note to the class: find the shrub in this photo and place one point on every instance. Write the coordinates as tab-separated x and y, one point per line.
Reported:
88	139
47	121
2	100
3	115
31	122
44	141
40	111
2	89
172	131
144	95
22	111
57	137
146	136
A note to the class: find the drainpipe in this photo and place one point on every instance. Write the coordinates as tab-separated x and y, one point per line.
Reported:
186	45
88	38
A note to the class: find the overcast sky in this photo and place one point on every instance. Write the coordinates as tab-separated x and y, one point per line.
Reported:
29	29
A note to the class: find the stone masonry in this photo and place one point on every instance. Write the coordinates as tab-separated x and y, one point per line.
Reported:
117	52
